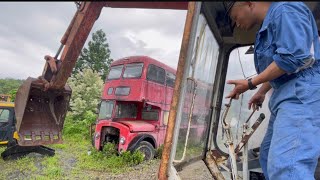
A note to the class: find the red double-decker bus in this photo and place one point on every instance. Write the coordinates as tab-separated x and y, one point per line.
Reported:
135	105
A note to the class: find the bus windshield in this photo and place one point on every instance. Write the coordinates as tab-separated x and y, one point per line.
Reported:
133	70
115	72
126	110
106	108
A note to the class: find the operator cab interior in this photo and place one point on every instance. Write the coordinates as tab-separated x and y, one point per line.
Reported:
232	49
228	33
236	46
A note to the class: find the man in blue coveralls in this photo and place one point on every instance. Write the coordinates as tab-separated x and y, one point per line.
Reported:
287	59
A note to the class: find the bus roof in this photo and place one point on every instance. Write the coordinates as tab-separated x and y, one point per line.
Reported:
144	59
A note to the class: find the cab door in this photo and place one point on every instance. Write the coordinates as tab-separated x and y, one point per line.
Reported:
6	124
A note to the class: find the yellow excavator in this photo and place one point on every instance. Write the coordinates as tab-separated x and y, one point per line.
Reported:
9	135
7	120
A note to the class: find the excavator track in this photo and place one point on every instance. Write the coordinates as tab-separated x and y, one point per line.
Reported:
15	151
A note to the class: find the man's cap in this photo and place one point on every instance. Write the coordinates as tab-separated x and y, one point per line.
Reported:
228	5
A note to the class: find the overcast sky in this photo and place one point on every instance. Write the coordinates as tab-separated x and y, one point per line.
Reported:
31	30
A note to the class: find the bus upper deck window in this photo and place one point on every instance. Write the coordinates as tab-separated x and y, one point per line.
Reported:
170	79
133	70
115	72
156	74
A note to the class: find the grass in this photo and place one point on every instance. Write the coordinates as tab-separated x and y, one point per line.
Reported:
108	160
74	159
194	148
52	168
71	161
19	169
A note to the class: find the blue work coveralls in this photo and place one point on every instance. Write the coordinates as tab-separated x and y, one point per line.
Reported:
291	146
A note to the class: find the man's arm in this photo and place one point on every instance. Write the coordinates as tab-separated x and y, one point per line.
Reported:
241	85
271	72
258	98
264	88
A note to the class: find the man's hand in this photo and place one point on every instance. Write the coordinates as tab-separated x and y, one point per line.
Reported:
256	101
241	86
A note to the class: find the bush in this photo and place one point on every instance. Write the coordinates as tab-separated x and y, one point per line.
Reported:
158	153
132	158
78	127
109	160
109	150
86	93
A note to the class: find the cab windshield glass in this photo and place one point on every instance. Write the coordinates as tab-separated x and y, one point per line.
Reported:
126	110
106	108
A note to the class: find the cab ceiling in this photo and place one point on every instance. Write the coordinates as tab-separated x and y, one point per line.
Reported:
227	34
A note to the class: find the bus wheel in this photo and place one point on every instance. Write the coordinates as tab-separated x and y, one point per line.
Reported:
147	150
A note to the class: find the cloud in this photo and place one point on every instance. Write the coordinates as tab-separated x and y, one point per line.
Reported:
155	33
30	30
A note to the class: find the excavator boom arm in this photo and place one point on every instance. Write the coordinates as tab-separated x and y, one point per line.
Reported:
74	39
41	103
79	29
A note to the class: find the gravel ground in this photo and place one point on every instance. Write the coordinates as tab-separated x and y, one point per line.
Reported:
195	171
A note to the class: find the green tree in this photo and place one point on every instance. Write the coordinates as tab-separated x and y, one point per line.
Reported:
10	86
86	92
13	93
96	57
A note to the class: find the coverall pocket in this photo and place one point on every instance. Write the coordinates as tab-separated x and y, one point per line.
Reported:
302	91
309	96
314	94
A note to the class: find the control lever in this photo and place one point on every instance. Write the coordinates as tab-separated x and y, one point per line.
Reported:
229	143
249	133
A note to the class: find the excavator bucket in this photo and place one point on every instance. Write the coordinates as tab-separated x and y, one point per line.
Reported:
40	113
